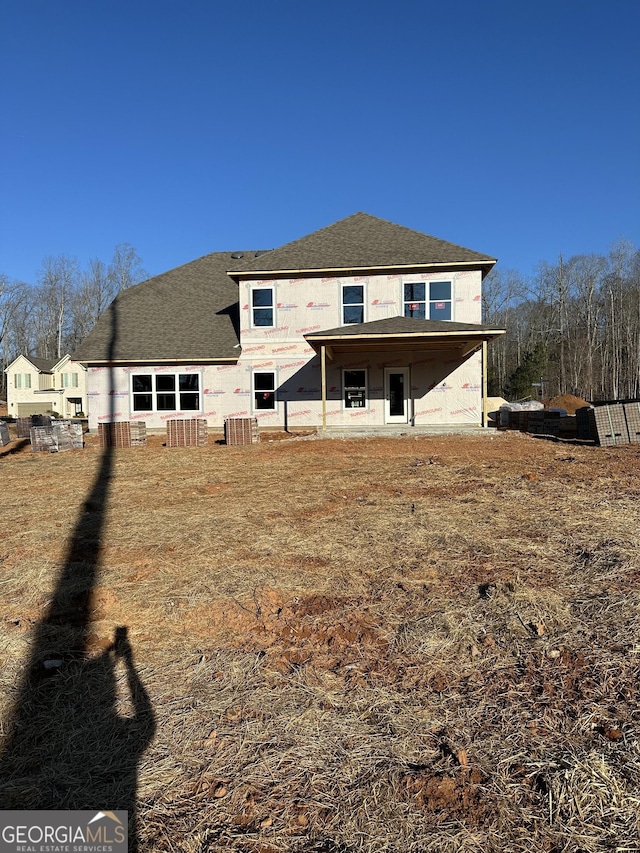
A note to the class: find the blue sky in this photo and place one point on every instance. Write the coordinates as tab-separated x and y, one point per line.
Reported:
509	127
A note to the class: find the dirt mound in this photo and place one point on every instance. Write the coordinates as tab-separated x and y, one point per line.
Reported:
568	402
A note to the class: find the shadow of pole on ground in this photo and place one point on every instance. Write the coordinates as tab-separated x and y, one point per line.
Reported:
67	746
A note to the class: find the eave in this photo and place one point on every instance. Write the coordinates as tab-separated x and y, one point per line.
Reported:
485	264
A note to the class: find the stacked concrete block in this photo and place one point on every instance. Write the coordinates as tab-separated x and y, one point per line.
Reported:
632	415
191	432
138	432
584	424
23	425
610	425
241	431
68	435
61	435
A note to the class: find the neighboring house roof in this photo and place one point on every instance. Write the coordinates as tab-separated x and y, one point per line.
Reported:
189	313
362	241
43	365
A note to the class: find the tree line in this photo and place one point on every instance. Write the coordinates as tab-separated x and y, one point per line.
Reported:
50	317
573	327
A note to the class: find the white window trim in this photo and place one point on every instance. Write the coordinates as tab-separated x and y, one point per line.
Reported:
177	374
344	304
451	299
404	302
252	323
427	294
255	373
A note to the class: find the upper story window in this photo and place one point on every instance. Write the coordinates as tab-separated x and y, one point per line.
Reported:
440	300
22	380
262	306
69	380
352	304
166	392
430	300
414	300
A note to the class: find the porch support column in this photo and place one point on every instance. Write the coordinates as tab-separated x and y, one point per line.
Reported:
323	375
485	418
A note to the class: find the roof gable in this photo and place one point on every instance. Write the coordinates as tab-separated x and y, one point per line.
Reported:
42	365
362	241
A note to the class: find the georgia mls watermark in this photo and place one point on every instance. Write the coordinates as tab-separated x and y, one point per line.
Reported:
63	832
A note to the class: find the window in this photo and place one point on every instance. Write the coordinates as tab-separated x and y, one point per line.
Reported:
352	304
22	380
264	391
166	392
414	300
439	298
69	380
354	383
262	306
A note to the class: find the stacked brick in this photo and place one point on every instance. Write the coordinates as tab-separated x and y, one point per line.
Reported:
122	434
241	431
187	433
114	434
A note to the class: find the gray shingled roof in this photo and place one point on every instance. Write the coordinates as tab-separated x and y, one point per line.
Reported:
364	241
44	365
188	313
402	326
191	313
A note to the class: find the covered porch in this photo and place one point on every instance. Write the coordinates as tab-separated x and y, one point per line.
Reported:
428	375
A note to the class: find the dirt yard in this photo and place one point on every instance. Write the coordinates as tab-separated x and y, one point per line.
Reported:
410	644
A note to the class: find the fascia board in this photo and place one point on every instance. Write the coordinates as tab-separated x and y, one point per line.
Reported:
348	270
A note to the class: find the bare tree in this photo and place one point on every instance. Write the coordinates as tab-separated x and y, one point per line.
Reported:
125	268
58	281
13	296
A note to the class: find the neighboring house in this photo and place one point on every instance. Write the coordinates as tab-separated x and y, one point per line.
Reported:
361	323
38	386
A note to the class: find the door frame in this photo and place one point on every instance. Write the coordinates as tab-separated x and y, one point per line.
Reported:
388	417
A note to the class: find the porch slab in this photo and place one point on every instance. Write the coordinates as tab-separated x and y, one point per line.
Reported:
404	430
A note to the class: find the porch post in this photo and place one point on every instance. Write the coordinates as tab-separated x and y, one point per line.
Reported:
485	418
323	374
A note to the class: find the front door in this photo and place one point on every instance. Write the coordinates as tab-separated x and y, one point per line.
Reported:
396	390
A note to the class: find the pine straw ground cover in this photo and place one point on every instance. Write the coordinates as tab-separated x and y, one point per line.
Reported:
412	644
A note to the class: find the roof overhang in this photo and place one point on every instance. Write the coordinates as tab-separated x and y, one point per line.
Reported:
462	342
484	264
150	362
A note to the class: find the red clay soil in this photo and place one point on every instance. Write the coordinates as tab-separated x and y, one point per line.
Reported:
568	402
